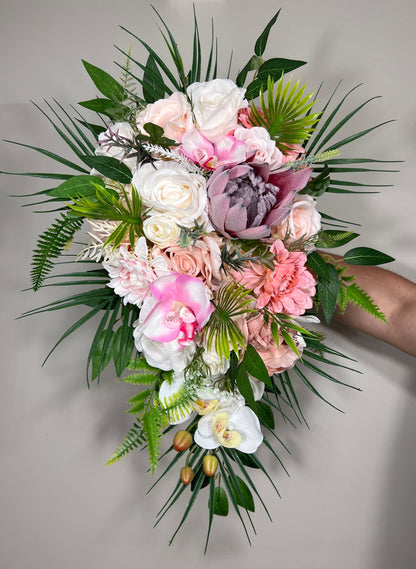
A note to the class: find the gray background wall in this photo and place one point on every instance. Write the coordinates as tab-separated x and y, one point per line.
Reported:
350	502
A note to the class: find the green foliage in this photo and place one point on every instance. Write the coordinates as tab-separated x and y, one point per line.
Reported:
236	254
332	238
109	167
231	302
50	246
285	115
153	422
114	93
179	405
144	374
366	256
359	297
261	41
328	292
127	211
133	439
76	186
328	136
220	505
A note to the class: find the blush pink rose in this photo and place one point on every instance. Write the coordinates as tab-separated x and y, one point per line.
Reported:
292	152
258	141
277	358
173	114
288	289
303	221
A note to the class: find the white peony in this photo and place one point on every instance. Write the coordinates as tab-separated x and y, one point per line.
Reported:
166	187
215	105
131	273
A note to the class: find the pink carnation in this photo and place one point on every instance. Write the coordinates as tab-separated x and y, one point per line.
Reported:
277	358
288	288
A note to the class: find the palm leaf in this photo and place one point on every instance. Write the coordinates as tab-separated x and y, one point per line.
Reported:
286	115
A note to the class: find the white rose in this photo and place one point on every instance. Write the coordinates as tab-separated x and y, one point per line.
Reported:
258	140
110	143
173	114
161	229
303	221
215	105
167	187
217	366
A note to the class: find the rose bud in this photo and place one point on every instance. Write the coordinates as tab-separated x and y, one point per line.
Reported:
182	441
210	464
187	475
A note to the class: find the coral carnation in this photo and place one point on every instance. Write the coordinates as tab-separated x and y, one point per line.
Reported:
288	288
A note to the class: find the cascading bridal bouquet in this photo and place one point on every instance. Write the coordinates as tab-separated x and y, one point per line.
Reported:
198	194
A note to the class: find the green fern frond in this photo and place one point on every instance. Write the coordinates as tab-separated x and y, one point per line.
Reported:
286	114
144	374
222	332
153	422
138	402
134	438
178	405
50	246
359	297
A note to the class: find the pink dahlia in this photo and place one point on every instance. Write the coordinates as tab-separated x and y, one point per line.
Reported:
288	288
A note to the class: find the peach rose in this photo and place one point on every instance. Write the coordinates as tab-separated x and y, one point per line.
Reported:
277	358
173	114
202	260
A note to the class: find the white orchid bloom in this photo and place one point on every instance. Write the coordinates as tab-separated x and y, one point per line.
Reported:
232	427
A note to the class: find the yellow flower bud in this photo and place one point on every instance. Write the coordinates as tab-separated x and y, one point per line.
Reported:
187	475
210	464
182	441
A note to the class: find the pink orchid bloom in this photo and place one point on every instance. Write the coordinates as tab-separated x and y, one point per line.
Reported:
225	151
181	306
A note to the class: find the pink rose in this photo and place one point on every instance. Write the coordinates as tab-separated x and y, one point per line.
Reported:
277	358
303	222
288	289
202	260
258	141
292	152
173	114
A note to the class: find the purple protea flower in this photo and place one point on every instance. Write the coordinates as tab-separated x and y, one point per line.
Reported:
245	201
